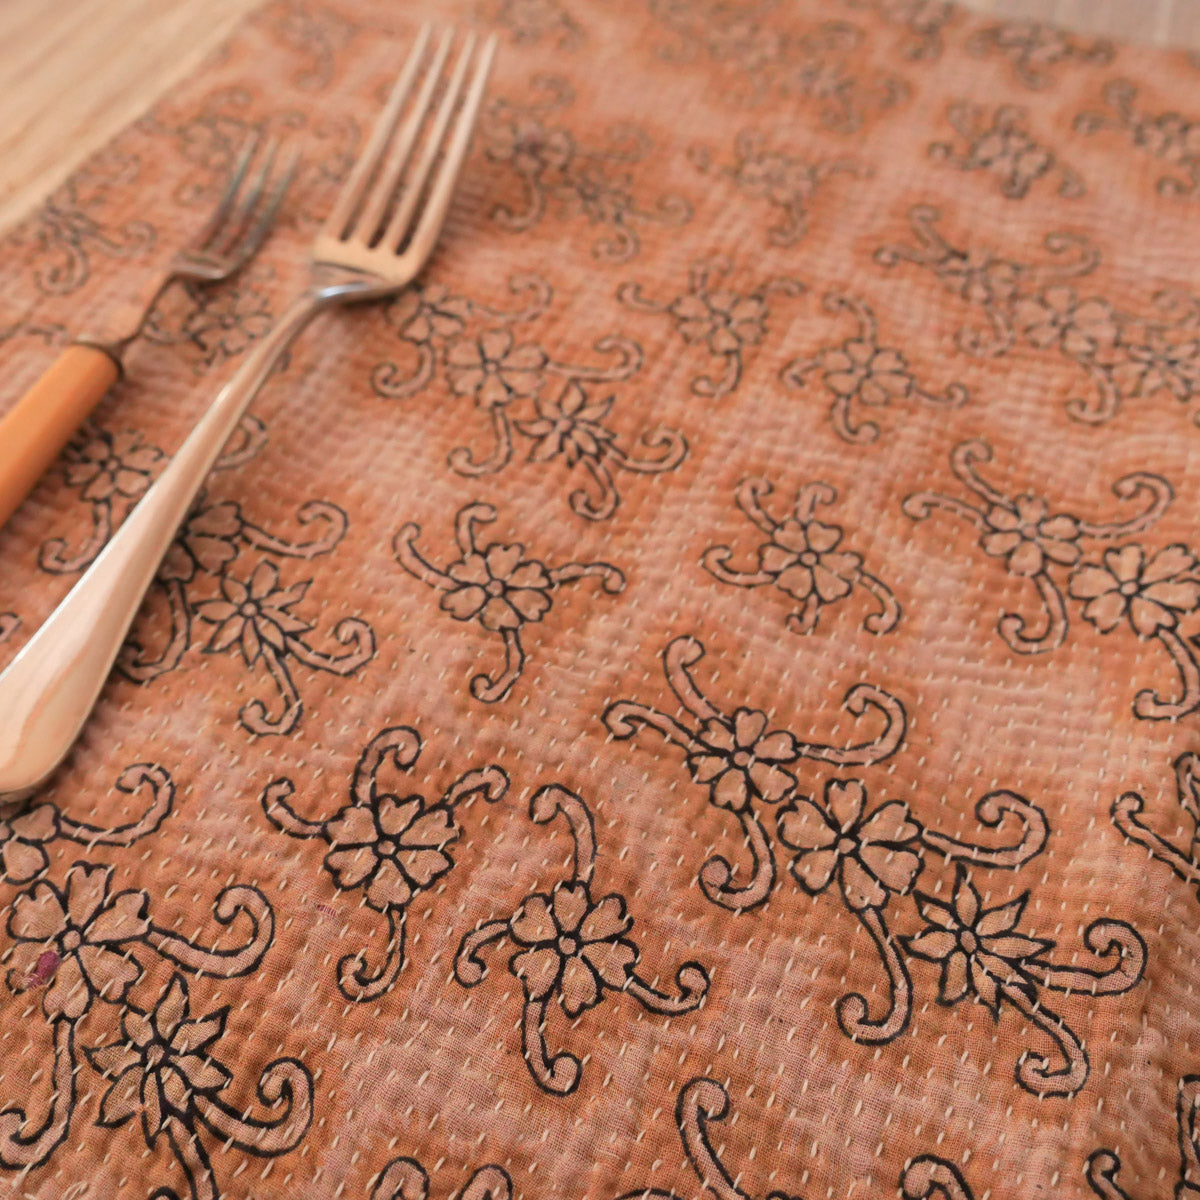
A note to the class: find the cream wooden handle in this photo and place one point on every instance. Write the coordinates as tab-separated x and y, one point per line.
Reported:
34	431
47	692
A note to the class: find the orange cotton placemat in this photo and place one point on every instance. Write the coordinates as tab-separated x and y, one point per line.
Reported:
700	695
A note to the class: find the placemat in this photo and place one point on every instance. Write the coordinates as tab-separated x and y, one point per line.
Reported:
697	697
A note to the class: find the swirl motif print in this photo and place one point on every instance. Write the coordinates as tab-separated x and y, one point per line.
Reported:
111	472
877	852
1149	591
554	169
1036	51
1124	355
495	585
534	22
802	559
818	64
28	830
215	325
861	372
406	1179
705	1101
483	361
1103	1166
1183	859
205	581
743	763
1169	137
83	945
391	847
71	229
697	696
711	314
790	184
573	948
923	24
1001	143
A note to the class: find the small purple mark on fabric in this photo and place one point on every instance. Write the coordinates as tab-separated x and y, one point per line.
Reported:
43	970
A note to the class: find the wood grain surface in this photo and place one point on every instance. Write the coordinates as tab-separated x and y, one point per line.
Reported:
74	72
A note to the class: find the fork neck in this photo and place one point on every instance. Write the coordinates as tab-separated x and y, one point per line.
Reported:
264	355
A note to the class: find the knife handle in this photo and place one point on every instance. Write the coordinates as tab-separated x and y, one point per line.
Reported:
39	425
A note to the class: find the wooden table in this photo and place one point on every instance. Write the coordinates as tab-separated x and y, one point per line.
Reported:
74	72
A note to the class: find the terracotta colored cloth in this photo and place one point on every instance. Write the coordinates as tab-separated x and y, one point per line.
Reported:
701	695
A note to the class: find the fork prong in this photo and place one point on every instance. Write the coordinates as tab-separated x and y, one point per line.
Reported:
360	177
236	223
414	185
252	238
225	204
373	211
433	215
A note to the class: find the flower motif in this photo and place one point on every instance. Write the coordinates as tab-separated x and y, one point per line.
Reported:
207	542
499	587
493	370
1012	149
776	177
395	848
804	558
736	35
1160	364
598	198
573	947
226	321
978	277
23	837
722	318
530	20
1036	47
1056	317
422	314
978	948
738	759
1170	137
252	613
162	1064
106	466
78	935
569	426
860	368
873	855
528	146
1150	593
1027	535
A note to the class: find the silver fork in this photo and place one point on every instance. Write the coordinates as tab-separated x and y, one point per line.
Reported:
379	235
35	429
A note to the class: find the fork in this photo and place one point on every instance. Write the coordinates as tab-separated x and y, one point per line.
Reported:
382	230
39	425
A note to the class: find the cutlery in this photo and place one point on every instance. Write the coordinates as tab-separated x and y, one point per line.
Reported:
39	425
382	230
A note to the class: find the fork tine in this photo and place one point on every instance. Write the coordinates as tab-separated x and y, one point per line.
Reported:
254	236
364	168
225	204
368	222
237	222
414	186
432	217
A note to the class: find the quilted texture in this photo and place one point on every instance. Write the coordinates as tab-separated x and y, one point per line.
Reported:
699	696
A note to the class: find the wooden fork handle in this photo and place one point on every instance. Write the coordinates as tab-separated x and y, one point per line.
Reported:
34	431
49	689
